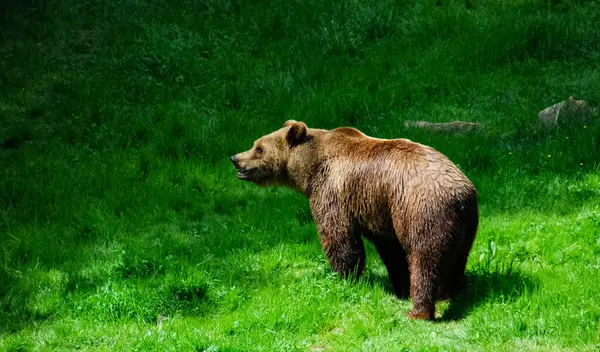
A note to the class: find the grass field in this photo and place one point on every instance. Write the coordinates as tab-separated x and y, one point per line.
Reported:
123	226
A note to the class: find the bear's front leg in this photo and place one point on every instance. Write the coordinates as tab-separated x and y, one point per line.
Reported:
340	240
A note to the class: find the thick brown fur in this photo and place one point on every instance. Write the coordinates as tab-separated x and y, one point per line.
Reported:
418	209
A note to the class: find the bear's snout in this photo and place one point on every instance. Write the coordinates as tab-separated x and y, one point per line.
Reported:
243	172
234	160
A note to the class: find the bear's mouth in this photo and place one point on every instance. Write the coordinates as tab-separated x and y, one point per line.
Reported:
245	174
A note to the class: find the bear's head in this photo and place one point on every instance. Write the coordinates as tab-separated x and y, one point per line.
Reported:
266	163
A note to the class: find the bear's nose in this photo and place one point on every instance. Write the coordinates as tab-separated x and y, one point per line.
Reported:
234	160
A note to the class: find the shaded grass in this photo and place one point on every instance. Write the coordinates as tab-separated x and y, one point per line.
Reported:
118	205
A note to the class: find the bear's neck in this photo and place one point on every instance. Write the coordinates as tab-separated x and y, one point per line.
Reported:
305	169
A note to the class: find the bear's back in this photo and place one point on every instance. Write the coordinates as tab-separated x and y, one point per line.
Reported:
398	165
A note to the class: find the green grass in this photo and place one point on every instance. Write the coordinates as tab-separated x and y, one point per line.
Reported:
118	204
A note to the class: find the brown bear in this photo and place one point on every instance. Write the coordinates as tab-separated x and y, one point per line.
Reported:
416	207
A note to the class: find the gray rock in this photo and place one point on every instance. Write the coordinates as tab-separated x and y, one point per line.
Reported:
452	127
572	109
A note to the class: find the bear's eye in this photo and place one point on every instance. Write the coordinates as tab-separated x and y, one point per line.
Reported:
259	150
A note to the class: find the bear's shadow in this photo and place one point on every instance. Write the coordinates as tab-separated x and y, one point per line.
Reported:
482	287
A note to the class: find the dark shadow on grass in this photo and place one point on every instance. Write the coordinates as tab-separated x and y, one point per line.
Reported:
498	284
502	285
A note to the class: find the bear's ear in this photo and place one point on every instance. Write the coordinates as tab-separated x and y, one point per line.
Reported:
288	123
297	132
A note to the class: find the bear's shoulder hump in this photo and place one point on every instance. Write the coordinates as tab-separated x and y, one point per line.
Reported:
347	132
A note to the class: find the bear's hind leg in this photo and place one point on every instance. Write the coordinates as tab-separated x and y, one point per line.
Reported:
455	281
394	258
424	269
